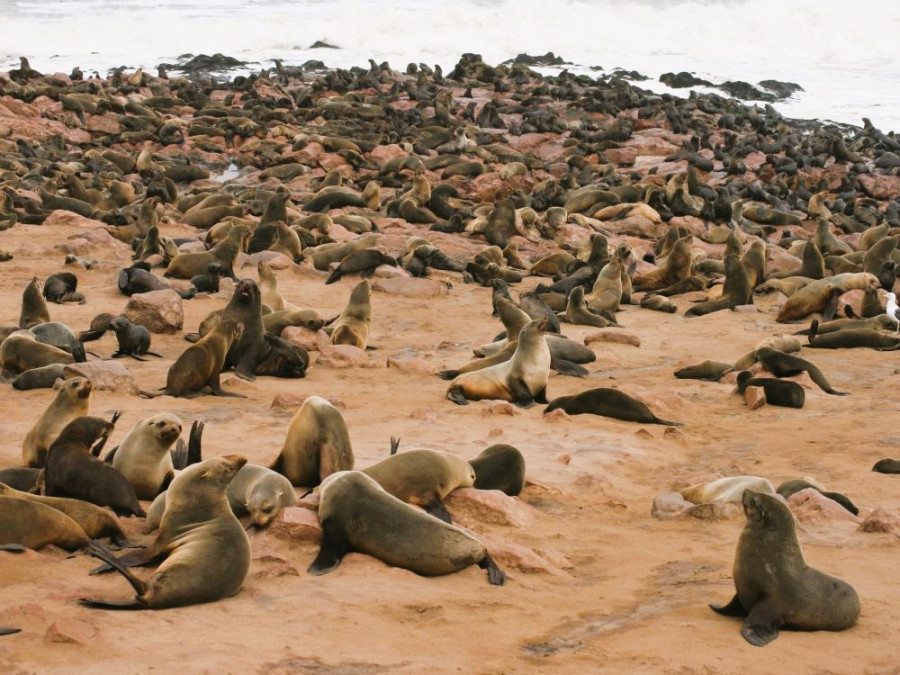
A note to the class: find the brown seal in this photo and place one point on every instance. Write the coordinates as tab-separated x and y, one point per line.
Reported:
34	307
522	379
188	265
144	457
815	296
352	326
422	477
736	291
608	403
204	550
500	467
358	515
72	400
95	521
33	525
21	351
73	470
200	365
317	444
676	268
775	587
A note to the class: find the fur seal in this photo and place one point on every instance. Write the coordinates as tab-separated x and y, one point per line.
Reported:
816	295
658	303
606	294
34	307
200	365
778	392
21	478
501	224
850	338
72	400
422	477
144	457
500	467
362	262
204	550
208	282
134	340
260	493
711	371
72	469
790	487
39	378
522	379
578	312
607	403
22	351
887	466
676	268
775	587
189	265
352	326
317	444
736	291
96	522
784	365
728	489
60	288
35	525
357	514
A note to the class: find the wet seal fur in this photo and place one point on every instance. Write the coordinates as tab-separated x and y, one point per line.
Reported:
775	587
204	550
607	402
358	515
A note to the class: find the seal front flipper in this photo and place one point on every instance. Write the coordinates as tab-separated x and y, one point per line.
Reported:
98	550
217	389
733	608
437	509
521	394
456	395
564	367
13	548
105	604
762	624
247	365
496	576
448	374
10	631
137	558
334	548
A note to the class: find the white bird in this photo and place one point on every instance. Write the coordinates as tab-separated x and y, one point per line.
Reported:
893	310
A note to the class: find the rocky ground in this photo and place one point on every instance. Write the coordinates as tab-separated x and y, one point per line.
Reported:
595	582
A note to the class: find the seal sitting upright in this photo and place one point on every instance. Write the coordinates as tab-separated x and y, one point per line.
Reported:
775	587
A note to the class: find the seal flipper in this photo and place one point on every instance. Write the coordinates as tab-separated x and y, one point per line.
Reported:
521	394
448	374
455	394
496	576
334	547
733	608
107	604
138	558
395	445
110	455
829	312
10	631
13	548
569	368
98	550
762	624
436	508
217	389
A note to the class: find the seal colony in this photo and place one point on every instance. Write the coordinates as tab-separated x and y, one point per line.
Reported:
378	216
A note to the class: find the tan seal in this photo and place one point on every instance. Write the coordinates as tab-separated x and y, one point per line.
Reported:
72	400
352	326
144	457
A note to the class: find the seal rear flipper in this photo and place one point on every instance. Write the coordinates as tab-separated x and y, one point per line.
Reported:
564	367
10	631
137	558
436	508
666	423
247	365
96	549
334	547
13	548
843	501
195	453
448	374
827	315
78	352
109	604
110	455
733	608
455	394
496	576
395	445
762	624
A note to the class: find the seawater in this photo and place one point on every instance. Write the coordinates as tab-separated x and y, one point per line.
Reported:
842	54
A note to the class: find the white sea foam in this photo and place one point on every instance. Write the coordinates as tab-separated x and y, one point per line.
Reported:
843	55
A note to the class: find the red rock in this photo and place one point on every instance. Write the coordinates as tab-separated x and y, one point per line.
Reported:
669	505
624	156
382	154
287	401
558	415
883	186
274	259
310	340
297	525
158	311
754	397
104	375
489	506
107	123
411	366
71	631
810	506
341	356
60	218
514	556
499	408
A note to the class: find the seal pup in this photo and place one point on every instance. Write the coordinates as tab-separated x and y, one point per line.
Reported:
500	467
144	456
204	550
775	587
260	493
352	326
357	514
73	470
200	365
778	392
887	465
60	288
607	403
39	378
72	400
134	340
728	489
711	371
422	477
317	444
522	379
